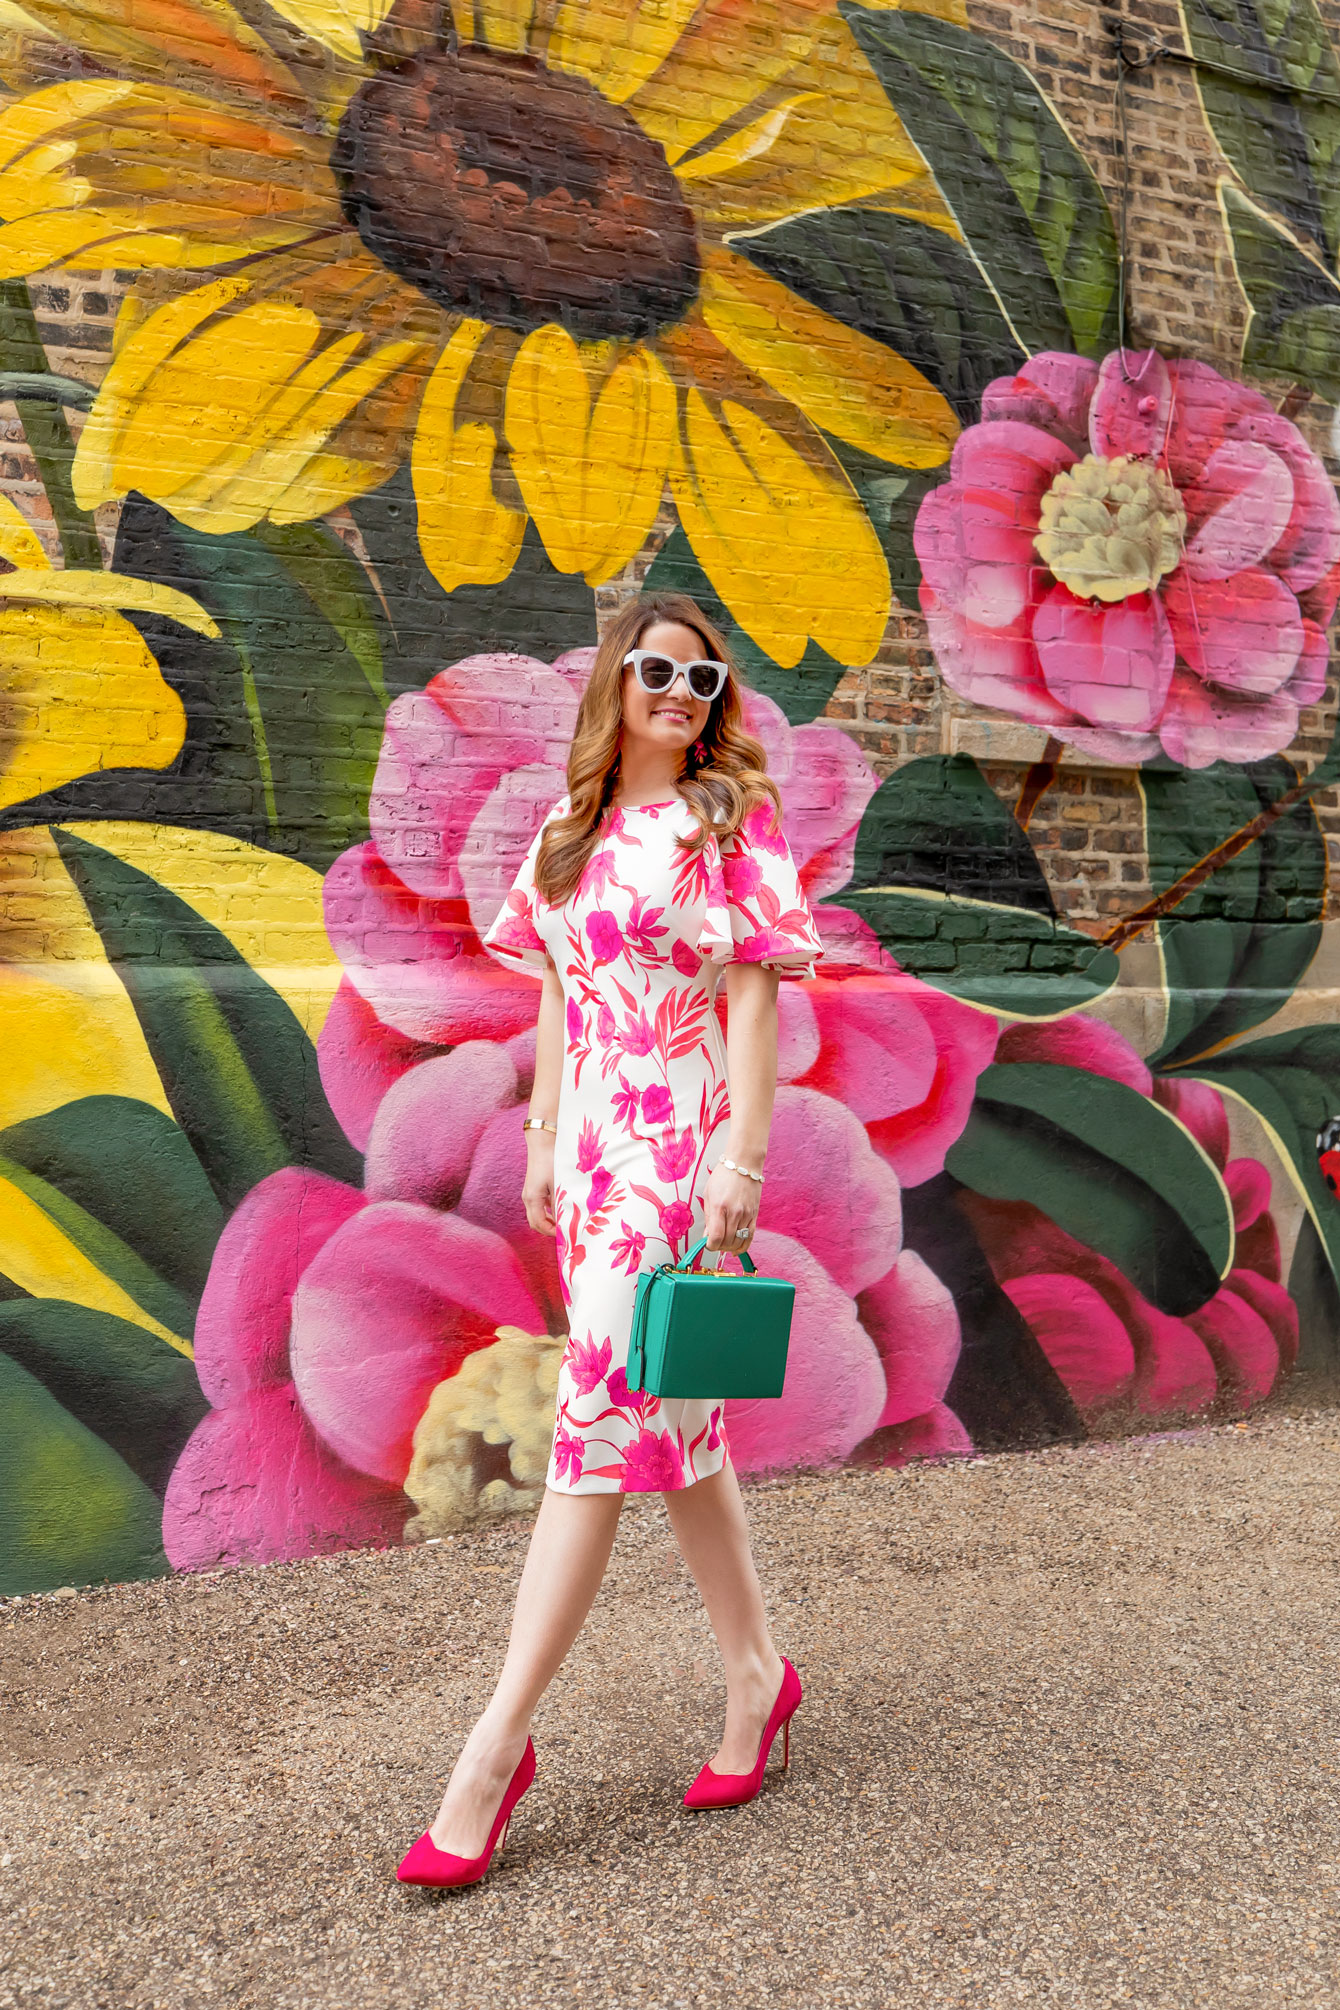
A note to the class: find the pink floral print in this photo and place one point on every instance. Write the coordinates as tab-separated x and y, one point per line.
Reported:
639	947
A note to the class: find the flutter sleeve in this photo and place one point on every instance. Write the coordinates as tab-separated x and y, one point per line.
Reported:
515	930
756	909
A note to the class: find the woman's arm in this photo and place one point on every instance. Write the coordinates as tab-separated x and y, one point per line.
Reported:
538	1190
751	1063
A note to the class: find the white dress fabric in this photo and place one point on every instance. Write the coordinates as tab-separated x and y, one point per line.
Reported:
639	949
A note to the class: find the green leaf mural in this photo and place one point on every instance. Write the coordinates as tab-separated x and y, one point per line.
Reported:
1020	190
130	1168
901	283
72	1510
1236	947
237	1068
122	1383
1110	1167
937	823
1292	1082
1278	117
1294	329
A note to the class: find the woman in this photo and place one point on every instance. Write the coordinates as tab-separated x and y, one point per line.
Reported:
664	862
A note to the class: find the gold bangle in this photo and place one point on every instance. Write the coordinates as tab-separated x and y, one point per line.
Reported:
539	1124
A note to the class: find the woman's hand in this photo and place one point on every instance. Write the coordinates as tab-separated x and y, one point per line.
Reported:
732	1210
537	1191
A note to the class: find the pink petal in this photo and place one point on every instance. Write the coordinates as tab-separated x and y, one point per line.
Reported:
575	667
912	1319
999	671
1112	750
491	1198
1175	1376
1248	1185
1241	1344
1310	546
255	1484
1132	405
1237	510
419	963
797	1032
936	1435
359	1057
242	1327
823	801
1270	1301
1307	686
976	557
1207	410
1053	390
1202	724
1080	1334
835	1386
446	747
1004	469
1078	1041
1201	1109
1111	665
827	1189
430	1122
496	843
390	1306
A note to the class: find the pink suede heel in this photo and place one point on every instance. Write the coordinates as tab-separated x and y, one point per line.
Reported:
732	1790
424	1863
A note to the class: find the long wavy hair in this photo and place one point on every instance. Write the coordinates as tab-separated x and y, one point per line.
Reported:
720	786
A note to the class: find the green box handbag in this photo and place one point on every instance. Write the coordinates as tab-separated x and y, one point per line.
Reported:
709	1333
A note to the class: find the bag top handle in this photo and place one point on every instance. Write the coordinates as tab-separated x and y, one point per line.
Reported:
700	1245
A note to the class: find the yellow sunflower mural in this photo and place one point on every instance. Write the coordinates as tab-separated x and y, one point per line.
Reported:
497	238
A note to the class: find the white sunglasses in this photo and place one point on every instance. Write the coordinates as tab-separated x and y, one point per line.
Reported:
656	673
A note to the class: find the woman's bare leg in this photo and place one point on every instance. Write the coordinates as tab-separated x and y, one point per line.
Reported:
574	1534
708	1519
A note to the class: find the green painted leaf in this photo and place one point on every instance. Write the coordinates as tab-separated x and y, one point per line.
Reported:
1025	199
238	1070
535	611
72	1511
334	581
1292	1081
1313	1289
1294	329
1234	950
938	823
105	1250
1107	1165
1286	146
1004	959
131	1168
901	283
122	1383
801	692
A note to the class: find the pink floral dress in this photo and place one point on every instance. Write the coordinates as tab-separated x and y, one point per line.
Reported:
639	948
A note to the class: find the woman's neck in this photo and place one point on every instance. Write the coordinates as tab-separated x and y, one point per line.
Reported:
646	775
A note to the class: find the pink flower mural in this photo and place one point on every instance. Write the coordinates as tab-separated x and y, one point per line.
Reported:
374	1300
1136	555
1117	1354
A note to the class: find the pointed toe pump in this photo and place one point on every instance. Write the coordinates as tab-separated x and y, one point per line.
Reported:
732	1790
424	1863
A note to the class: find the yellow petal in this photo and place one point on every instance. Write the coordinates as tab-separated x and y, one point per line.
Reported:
592	471
722	63
41	1258
841	141
143	343
19	542
111	590
205	42
336	24
467	535
857	389
780	534
79	692
31	245
504	24
616	44
744	143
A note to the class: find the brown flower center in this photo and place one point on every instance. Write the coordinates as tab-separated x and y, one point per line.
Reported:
505	190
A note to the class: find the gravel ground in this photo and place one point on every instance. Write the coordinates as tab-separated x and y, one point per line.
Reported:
1069	1737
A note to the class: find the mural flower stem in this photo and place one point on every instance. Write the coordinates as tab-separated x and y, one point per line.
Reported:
44	424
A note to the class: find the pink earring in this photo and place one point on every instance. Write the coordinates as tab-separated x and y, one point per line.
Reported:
699	752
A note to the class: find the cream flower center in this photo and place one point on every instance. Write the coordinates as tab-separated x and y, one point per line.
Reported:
481	1447
1111	528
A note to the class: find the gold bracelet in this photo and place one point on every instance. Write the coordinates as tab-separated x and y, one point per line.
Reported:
539	1124
744	1171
